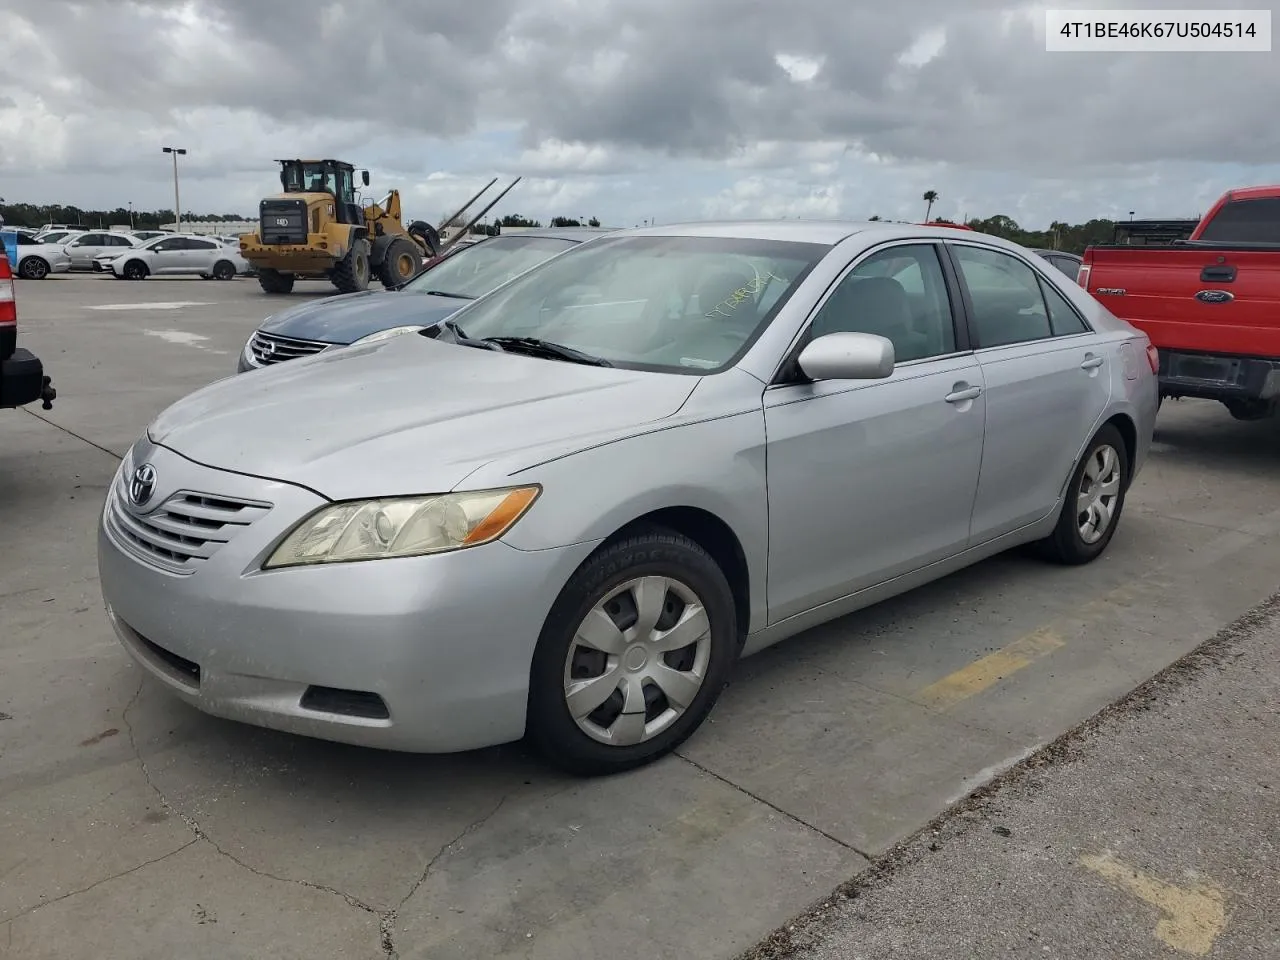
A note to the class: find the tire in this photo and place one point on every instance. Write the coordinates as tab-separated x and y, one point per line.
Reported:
1068	544
224	270
351	275
688	573
273	281
401	262
135	270
33	268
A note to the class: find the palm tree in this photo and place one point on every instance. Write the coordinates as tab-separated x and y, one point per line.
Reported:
929	197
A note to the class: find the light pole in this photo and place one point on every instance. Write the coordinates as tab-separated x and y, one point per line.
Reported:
177	208
130	214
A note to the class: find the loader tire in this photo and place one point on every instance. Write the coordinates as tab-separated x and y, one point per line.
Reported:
273	281
351	275
401	262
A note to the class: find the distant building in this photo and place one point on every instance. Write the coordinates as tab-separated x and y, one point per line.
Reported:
212	227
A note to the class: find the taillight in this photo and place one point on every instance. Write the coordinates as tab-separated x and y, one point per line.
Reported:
1153	358
8	308
1082	276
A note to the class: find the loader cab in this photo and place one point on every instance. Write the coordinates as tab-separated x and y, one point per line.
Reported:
333	177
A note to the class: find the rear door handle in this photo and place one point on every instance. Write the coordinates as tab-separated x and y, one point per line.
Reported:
959	396
1091	363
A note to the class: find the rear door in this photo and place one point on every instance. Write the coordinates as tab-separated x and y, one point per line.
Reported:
1047	385
199	255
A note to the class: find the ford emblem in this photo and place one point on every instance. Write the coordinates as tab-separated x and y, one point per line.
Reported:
1215	296
142	485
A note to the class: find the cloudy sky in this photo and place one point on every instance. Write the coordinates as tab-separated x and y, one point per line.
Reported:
626	109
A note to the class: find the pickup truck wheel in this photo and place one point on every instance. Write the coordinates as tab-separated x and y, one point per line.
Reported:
273	281
1094	501
33	268
632	656
135	270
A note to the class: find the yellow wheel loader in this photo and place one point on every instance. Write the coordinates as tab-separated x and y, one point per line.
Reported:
317	228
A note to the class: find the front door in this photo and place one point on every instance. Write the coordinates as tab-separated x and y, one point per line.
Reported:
1047	387
872	479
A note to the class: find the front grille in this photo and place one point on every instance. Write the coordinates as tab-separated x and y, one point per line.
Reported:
269	348
282	221
184	531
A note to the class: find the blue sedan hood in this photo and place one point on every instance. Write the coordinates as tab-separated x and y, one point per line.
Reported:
346	318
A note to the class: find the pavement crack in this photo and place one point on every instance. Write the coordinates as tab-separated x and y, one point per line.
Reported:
387	919
72	433
97	883
774	807
200	834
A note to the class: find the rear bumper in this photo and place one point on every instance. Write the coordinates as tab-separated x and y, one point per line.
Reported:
22	381
1218	376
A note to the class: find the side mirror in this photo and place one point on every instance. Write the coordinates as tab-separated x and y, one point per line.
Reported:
847	356
364	177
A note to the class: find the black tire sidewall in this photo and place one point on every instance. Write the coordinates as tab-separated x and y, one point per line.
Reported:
23	268
550	726
1070	546
135	270
220	270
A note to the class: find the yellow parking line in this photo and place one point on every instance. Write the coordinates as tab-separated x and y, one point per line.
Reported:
1192	917
991	669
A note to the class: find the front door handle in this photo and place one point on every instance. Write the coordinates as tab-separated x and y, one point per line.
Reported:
959	396
1091	363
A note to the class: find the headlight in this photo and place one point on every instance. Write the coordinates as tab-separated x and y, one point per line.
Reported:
386	334
402	526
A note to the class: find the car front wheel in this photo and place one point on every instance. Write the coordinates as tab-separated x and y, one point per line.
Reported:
633	655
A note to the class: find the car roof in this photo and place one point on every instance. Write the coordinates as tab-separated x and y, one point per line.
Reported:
1044	251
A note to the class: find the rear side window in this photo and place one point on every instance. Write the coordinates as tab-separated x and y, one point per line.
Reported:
1062	316
1008	306
1246	221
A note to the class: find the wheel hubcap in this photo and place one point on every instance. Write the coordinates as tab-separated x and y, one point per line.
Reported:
1098	494
637	661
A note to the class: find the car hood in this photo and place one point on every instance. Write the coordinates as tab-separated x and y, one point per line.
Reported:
408	415
348	317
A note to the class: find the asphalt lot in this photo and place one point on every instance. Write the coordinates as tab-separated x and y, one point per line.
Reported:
136	827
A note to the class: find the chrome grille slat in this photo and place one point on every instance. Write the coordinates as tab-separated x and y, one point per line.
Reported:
268	348
182	532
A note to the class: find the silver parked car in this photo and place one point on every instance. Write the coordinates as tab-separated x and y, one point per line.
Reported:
568	508
87	247
37	259
175	254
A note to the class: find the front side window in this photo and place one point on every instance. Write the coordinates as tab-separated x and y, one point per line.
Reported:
1008	306
475	270
672	304
899	293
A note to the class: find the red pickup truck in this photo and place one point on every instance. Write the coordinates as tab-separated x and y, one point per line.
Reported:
22	376
1210	303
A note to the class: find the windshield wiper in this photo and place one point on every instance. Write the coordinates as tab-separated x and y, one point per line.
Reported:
547	348
459	336
446	293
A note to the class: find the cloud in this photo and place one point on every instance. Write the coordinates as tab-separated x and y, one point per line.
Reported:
640	110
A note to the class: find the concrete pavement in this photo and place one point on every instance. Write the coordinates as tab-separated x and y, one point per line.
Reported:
1151	832
158	828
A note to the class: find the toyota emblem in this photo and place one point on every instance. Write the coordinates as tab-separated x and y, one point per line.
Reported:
143	484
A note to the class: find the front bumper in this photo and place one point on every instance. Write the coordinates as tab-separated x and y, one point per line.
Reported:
444	642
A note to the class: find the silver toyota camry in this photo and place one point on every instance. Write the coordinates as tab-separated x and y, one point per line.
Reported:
568	509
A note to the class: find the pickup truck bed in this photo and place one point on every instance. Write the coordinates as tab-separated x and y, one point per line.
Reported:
1210	306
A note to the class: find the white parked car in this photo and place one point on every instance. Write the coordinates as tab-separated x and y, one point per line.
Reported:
60	237
175	254
87	247
37	259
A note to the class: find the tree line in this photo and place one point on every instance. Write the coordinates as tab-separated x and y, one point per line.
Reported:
1072	237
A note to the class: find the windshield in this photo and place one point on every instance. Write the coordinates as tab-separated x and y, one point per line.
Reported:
676	304
476	269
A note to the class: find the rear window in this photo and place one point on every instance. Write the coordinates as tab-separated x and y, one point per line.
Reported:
1246	221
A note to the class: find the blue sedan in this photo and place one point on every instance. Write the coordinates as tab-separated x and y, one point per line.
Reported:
428	298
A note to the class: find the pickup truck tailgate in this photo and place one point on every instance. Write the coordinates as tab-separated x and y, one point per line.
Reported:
1194	299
